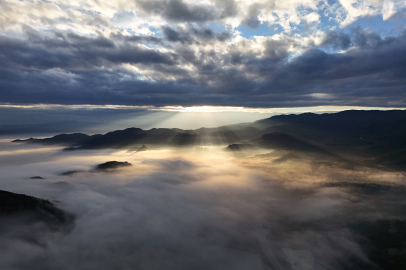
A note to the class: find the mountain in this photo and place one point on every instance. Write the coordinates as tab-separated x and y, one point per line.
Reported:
281	141
185	139
109	165
63	139
132	136
30	209
287	147
341	121
372	138
114	139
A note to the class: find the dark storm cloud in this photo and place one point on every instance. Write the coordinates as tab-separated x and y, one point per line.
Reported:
180	11
371	56
72	69
176	36
38	121
337	40
194	35
72	51
137	38
207	34
358	37
93	87
374	68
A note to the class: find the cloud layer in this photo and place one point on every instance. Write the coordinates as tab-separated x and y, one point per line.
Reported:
178	52
182	209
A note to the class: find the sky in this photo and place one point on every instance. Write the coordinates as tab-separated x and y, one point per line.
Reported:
95	66
166	54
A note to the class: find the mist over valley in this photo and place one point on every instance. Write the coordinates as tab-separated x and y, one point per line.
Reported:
306	191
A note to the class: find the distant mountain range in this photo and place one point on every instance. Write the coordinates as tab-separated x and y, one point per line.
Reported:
374	138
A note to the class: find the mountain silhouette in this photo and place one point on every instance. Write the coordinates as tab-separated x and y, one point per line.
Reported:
109	165
31	209
64	139
374	138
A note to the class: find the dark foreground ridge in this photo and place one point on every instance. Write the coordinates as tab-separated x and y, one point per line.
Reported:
33	210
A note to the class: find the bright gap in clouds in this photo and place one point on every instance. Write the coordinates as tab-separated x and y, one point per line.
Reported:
214	116
201	109
94	119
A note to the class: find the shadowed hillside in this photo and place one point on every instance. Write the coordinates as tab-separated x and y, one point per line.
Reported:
372	138
34	210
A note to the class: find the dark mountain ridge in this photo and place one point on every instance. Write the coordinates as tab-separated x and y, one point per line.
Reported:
337	121
376	138
34	210
110	165
63	139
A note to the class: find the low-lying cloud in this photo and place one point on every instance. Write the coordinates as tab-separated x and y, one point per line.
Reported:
182	209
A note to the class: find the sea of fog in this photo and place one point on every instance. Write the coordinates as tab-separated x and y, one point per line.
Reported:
193	208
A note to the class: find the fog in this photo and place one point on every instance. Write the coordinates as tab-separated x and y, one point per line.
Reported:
184	208
45	121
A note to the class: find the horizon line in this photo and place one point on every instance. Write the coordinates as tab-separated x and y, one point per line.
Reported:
201	109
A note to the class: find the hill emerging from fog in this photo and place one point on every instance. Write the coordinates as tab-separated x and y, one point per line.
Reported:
373	138
13	205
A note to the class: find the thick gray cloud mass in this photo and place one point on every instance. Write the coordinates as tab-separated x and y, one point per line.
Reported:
193	35
183	52
73	69
181	11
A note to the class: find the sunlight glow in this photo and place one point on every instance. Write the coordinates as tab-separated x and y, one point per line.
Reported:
201	109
